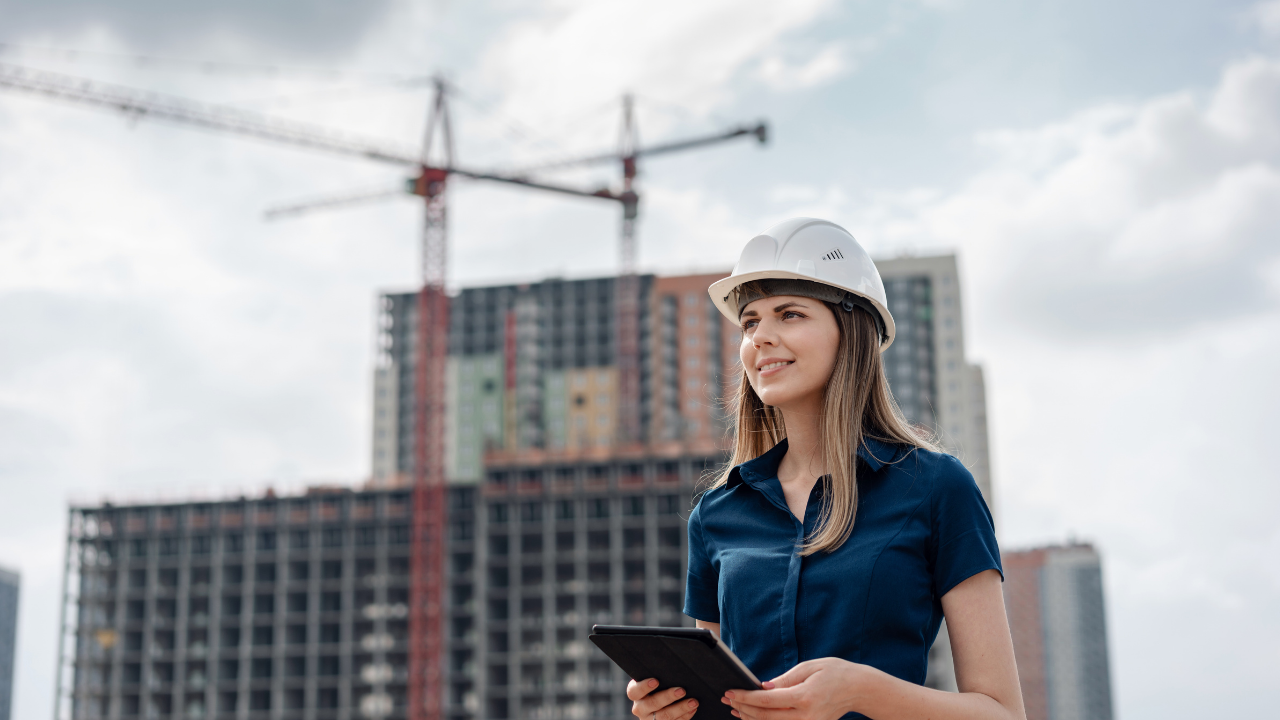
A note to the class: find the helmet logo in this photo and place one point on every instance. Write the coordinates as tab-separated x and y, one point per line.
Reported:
835	254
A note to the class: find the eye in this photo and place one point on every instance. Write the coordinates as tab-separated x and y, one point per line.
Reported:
790	313
749	324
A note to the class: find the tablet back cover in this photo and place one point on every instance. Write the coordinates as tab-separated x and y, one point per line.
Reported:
677	662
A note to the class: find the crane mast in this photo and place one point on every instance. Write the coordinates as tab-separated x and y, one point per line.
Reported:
628	289
426	572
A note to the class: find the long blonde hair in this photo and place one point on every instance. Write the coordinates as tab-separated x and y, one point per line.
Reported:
857	404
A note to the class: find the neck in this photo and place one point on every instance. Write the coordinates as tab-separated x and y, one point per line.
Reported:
804	441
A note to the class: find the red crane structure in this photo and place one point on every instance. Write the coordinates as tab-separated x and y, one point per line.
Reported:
433	167
628	287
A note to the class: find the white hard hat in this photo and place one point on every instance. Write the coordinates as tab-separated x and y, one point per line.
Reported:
817	251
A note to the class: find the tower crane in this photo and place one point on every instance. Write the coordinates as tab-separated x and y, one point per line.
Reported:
627	288
433	167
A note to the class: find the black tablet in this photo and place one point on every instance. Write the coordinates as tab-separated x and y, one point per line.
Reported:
691	658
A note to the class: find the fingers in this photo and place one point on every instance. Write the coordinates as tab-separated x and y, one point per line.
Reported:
754	713
795	675
663	705
762	704
637	690
667	704
687	710
677	710
779	698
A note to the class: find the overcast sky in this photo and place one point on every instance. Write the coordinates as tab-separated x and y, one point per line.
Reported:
1108	173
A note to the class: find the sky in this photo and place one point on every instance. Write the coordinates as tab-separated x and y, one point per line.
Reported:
1108	174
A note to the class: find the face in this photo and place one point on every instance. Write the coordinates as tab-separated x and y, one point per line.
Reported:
789	350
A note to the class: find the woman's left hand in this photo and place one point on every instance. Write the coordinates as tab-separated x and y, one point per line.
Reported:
822	689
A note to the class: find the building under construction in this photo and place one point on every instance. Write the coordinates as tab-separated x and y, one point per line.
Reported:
565	506
532	379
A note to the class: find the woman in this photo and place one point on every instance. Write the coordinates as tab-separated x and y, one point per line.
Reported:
827	556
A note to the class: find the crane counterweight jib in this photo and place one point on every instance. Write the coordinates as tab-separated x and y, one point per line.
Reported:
760	131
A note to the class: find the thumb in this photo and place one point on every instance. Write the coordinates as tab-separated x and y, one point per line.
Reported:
794	676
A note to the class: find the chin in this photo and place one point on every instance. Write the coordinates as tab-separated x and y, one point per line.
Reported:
776	396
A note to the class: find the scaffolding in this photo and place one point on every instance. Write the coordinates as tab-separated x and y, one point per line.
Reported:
86	635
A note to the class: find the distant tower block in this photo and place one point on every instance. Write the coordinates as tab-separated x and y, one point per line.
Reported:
1058	620
10	583
931	379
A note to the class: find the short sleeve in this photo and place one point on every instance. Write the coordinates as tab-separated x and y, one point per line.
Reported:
701	592
964	535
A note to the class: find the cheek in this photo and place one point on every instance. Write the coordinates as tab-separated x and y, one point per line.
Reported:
746	352
831	345
818	346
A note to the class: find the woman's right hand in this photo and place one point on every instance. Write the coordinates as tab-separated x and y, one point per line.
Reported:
665	705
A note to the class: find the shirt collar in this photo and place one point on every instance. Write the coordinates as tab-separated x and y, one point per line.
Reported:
875	453
878	453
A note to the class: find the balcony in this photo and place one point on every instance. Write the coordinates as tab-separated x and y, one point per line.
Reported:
571	711
573	649
571	683
534	685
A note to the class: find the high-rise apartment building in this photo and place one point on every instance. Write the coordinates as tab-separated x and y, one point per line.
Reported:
10	585
1058	621
932	380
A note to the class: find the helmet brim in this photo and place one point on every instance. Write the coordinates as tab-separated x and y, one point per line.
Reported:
721	292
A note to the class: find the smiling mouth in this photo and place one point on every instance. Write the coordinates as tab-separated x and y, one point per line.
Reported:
770	366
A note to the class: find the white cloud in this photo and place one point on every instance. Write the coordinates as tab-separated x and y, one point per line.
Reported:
826	64
1120	221
1266	17
584	54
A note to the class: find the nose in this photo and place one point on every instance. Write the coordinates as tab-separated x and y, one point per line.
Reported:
765	333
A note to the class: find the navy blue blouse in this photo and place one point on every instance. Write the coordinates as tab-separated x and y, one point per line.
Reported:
922	528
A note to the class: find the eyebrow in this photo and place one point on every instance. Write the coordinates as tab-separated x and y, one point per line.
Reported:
780	308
